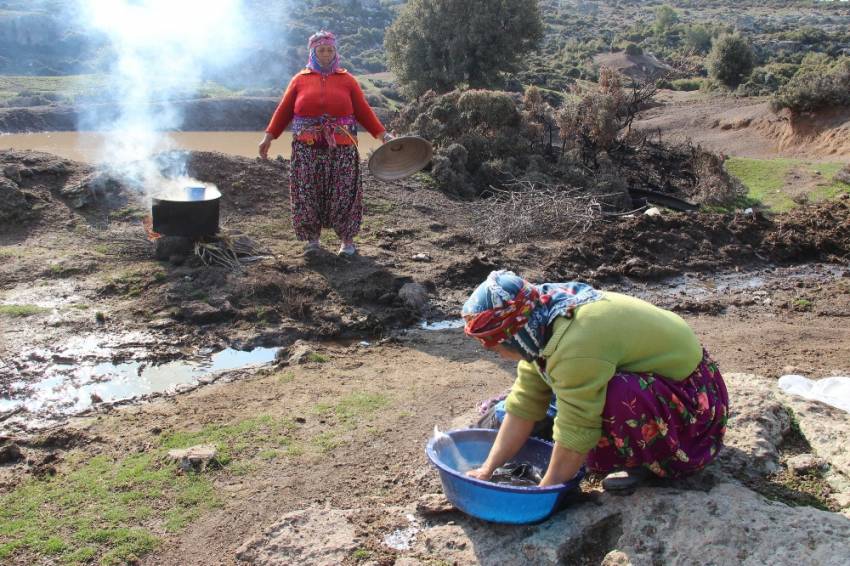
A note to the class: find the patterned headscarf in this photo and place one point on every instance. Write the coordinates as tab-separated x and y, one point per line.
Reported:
508	309
322	38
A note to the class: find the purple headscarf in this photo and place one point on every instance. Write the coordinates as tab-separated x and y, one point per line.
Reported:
322	37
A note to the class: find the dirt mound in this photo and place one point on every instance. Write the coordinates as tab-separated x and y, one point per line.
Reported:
637	67
748	127
824	133
648	247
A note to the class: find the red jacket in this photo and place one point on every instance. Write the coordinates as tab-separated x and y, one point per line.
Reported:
309	94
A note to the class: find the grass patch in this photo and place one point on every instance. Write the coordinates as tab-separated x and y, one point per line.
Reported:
131	282
326	441
69	86
83	88
236	439
20	311
355	406
317	358
285	378
107	510
765	180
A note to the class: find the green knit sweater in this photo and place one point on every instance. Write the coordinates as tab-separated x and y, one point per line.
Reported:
615	333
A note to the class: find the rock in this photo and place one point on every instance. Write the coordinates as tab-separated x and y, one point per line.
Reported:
14	205
434	504
99	187
414	295
200	312
299	353
841	500
616	558
13	173
95	398
727	524
194	458
758	422
313	536
10	454
805	463
421	257
652	212
826	429
168	247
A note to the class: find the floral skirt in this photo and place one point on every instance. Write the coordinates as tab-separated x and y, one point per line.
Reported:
674	428
325	190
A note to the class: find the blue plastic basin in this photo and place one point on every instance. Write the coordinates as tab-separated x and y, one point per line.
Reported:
489	501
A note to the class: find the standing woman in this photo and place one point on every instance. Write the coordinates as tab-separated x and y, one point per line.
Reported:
324	103
635	392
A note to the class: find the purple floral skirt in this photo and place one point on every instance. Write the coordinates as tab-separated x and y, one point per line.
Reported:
674	428
325	190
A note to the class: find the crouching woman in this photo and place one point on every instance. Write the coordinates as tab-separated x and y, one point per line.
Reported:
635	392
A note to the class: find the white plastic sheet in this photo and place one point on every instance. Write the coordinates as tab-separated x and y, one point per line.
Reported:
834	391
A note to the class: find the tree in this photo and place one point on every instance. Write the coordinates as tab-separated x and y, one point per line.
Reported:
730	60
698	38
443	44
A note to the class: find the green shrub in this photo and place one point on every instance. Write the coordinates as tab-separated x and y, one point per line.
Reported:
632	49
697	39
665	18
686	84
731	60
821	82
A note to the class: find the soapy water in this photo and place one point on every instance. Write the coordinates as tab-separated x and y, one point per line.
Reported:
451	454
517	474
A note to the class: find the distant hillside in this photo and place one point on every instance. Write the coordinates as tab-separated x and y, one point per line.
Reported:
42	37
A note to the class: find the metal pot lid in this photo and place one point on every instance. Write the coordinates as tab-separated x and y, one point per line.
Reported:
400	158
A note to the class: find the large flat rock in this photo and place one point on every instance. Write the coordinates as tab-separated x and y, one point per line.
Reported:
710	518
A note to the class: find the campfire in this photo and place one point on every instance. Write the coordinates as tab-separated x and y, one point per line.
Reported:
185	221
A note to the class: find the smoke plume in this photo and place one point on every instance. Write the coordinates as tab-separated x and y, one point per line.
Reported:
160	51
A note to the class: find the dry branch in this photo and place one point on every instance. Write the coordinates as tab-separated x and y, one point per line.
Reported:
527	210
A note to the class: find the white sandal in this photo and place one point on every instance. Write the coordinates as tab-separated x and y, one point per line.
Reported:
347	250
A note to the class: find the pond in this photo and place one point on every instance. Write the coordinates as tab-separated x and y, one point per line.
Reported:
86	146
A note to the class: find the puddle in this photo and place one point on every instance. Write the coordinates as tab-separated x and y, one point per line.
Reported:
701	286
442	324
68	388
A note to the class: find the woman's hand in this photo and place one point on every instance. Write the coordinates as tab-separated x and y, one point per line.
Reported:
265	145
386	137
481	473
512	435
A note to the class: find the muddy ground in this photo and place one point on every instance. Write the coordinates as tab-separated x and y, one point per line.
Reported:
767	295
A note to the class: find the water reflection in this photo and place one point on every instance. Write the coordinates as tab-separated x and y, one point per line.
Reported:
68	389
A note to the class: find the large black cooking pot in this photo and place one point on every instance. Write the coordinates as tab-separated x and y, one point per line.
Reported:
192	212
